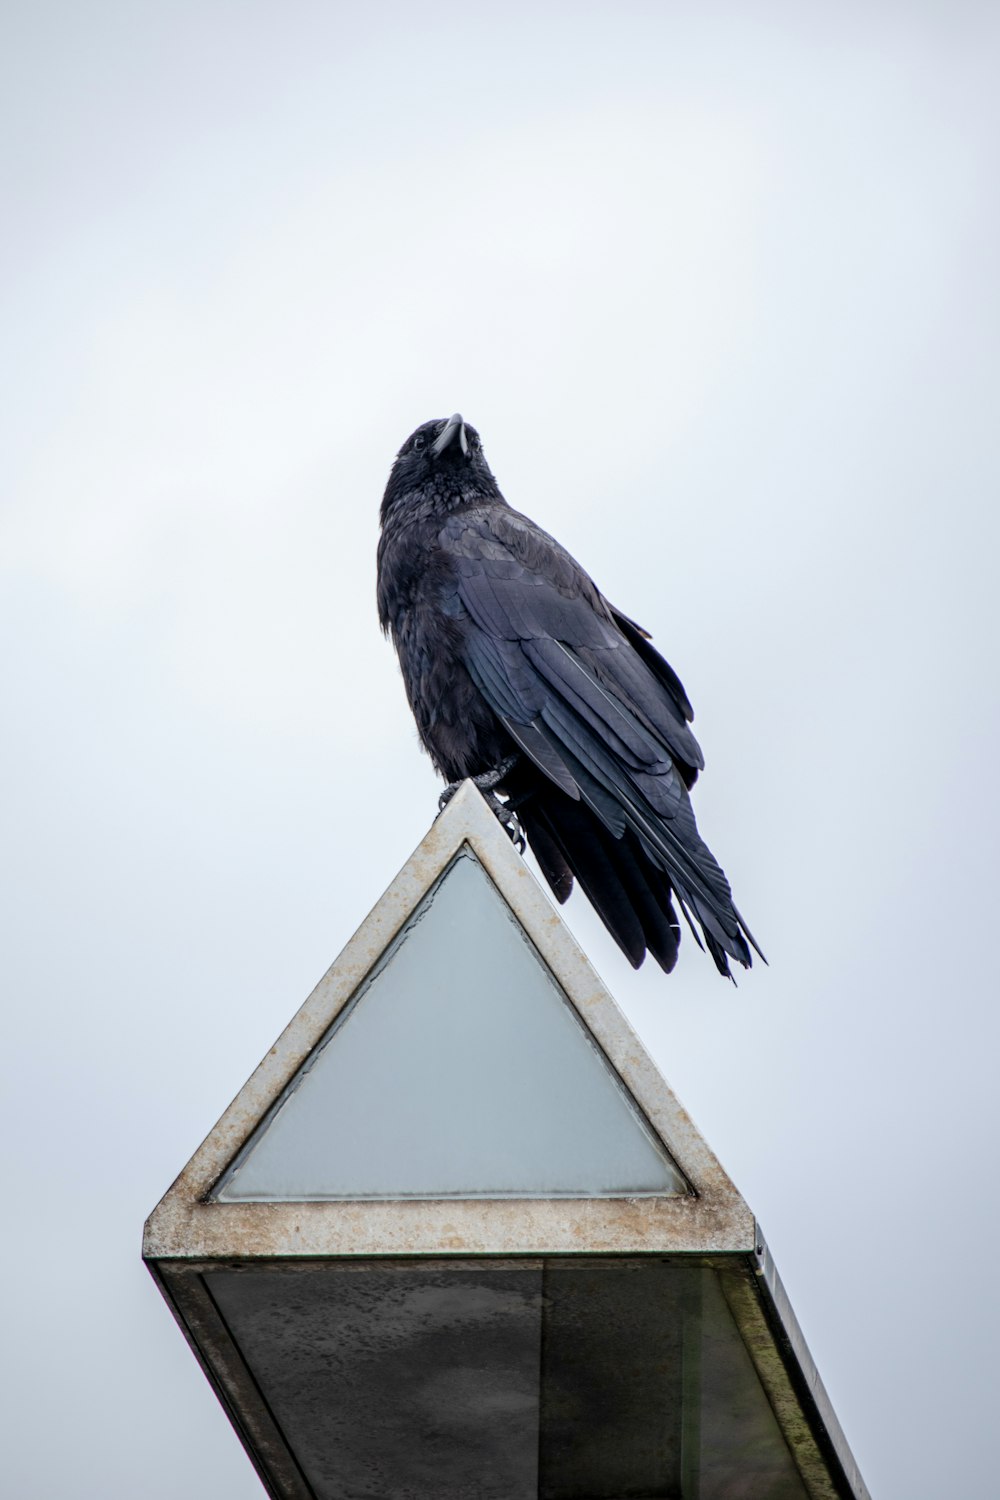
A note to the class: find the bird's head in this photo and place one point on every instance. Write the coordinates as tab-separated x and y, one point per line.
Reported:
442	464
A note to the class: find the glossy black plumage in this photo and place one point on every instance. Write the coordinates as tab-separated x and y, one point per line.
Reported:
505	645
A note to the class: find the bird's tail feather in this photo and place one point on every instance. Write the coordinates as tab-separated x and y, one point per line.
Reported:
631	897
626	854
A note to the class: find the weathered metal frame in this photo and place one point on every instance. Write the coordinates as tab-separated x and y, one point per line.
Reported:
712	1217
189	1234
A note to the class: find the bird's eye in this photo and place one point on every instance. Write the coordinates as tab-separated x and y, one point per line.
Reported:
418	442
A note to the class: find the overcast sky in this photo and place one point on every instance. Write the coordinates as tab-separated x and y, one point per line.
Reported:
718	286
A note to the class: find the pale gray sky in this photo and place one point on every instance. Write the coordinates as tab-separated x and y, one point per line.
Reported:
718	287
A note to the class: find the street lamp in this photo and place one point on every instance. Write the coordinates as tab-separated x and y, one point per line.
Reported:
456	1239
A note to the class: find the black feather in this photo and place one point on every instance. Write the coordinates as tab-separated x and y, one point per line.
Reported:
506	644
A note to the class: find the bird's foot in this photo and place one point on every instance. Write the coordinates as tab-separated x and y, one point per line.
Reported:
485	782
489	779
507	820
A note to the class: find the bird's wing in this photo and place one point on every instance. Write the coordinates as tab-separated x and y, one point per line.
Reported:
545	650
518	584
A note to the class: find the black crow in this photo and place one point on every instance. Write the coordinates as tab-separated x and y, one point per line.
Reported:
521	675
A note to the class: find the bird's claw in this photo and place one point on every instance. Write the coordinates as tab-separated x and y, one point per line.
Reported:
503	814
508	821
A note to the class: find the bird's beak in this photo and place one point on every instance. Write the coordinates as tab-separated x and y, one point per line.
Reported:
454	427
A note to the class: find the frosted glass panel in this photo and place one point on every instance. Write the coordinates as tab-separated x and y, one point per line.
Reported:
459	1070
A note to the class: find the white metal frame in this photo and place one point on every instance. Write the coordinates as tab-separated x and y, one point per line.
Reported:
712	1218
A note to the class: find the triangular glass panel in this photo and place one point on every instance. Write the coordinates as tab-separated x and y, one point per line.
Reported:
458	1069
